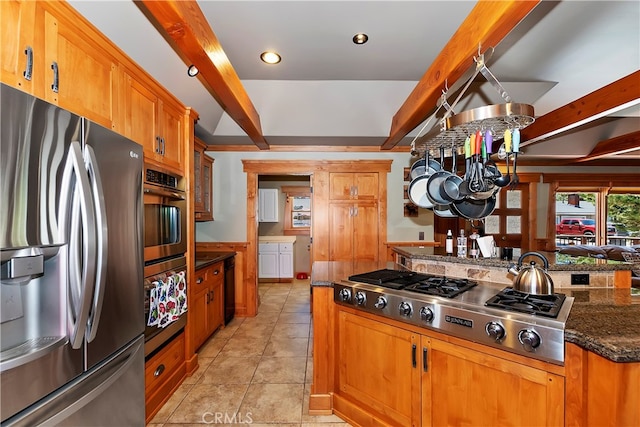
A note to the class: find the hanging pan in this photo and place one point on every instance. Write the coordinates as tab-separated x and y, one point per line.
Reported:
474	209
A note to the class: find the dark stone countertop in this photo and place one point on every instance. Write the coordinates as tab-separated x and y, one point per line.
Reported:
437	254
606	322
204	259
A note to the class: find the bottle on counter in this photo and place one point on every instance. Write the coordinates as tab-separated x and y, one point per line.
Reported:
474	252
462	244
449	243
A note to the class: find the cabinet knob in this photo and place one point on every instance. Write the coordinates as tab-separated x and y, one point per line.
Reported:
216	272
199	280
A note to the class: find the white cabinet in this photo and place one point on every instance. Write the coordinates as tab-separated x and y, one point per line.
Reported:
275	260
285	260
268	261
268	205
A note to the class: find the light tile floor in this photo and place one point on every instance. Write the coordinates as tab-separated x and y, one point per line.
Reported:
256	370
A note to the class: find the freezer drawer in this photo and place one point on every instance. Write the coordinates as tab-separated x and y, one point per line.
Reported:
111	394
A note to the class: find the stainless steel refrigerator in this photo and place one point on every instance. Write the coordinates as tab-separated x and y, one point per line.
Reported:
71	284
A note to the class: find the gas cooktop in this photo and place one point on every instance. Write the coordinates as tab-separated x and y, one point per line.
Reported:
484	312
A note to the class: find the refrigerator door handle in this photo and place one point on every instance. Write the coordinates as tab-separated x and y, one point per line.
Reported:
68	228
103	247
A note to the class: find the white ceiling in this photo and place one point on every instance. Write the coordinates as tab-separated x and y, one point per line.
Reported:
329	91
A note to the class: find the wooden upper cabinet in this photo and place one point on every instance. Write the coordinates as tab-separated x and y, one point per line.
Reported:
68	66
203	182
140	109
17	32
86	73
153	122
353	186
170	133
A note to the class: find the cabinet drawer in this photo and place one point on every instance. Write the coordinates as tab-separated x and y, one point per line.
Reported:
161	366
267	247
286	247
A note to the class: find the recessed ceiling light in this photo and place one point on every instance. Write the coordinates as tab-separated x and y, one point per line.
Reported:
270	57
360	38
192	71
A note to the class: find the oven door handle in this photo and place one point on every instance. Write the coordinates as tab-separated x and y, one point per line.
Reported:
165	193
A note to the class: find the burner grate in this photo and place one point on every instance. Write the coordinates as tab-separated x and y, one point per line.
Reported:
389	278
541	305
441	286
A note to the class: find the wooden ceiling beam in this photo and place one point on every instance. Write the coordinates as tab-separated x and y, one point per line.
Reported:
621	94
613	146
487	24
185	27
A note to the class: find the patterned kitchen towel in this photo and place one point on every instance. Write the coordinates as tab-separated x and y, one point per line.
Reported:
153	318
181	293
172	300
163	300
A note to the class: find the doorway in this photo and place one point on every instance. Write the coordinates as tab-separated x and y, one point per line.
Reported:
292	217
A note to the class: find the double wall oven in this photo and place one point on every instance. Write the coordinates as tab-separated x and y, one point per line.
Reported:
165	264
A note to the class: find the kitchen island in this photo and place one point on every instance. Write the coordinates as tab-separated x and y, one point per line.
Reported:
599	383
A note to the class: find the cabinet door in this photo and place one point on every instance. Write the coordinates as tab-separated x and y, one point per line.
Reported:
17	34
285	261
365	232
488	390
140	116
207	189
197	178
268	204
378	367
341	231
198	317
86	77
171	133
366	186
268	261
341	186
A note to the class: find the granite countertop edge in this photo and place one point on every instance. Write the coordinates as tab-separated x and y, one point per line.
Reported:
611	352
205	259
494	262
614	351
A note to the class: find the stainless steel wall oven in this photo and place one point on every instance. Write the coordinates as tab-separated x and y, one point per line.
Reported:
165	215
165	264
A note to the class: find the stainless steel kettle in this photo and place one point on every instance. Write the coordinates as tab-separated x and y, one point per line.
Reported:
532	279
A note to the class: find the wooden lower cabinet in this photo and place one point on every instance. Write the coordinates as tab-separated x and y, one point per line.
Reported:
466	387
375	370
207	303
163	373
388	375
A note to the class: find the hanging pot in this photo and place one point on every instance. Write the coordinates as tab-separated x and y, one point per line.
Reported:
418	167
532	279
436	181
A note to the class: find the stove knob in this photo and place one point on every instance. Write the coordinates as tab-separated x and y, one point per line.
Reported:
345	295
426	314
495	330
529	339
380	303
360	298
405	309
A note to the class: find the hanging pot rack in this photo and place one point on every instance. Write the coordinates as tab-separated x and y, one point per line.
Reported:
453	129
